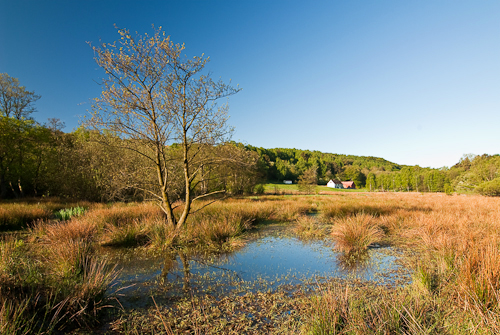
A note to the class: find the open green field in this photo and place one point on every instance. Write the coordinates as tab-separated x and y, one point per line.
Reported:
55	276
293	188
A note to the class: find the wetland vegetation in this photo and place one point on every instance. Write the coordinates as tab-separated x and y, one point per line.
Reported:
75	275
174	230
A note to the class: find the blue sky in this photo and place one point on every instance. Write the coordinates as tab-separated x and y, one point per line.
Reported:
414	82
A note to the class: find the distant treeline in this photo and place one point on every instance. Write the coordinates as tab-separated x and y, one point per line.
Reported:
41	160
471	174
38	160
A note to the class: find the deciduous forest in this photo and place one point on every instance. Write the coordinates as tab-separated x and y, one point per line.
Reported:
40	159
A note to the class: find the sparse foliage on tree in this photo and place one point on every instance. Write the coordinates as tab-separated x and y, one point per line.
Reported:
155	99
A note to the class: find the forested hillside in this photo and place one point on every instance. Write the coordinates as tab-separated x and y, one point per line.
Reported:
281	163
40	159
471	174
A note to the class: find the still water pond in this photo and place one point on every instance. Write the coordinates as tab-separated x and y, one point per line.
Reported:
271	259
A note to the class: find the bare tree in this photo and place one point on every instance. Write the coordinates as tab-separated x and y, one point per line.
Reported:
159	101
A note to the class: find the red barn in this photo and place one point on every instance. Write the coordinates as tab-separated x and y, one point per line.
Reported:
349	184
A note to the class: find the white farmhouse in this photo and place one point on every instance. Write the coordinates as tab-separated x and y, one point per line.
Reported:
334	183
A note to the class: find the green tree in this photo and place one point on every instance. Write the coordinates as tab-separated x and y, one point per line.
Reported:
417	178
153	97
406	178
15	100
23	145
490	188
370	181
309	180
19	136
354	173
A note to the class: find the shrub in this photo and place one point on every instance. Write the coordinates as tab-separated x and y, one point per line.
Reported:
448	189
490	188
259	189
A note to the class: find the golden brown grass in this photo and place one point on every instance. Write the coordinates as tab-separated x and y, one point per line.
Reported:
457	266
121	214
309	227
456	283
15	215
354	234
456	239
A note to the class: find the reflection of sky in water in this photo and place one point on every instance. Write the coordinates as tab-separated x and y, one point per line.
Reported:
273	257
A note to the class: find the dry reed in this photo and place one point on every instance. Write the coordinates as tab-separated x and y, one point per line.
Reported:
309	227
354	234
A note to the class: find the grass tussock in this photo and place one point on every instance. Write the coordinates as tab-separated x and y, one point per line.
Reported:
354	234
52	283
16	215
309	227
216	232
452	241
370	310
73	230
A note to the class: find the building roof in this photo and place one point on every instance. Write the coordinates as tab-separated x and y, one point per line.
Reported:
348	184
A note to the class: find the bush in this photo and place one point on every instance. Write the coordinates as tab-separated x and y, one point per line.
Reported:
448	189
259	189
490	188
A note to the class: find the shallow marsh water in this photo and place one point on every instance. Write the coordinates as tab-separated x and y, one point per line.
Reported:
272	259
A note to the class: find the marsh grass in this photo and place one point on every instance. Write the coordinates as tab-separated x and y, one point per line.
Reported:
330	311
354	234
452	243
345	309
15	215
122	214
86	296
130	235
55	303
72	230
308	227
478	276
216	232
54	281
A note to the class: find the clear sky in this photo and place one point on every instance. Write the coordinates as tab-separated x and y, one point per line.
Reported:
414	82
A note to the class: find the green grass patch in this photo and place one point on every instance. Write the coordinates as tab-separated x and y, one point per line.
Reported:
68	213
278	188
